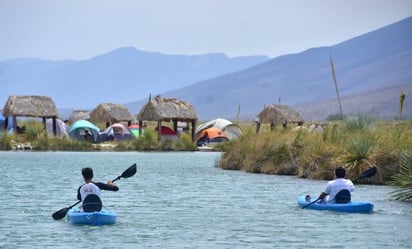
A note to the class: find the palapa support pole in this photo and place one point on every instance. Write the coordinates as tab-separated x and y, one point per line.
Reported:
54	126
159	130
193	130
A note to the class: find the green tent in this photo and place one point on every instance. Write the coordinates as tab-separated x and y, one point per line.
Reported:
81	128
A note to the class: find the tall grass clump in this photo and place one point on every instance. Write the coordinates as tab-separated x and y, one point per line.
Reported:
146	142
33	129
247	152
185	143
5	141
266	152
359	123
46	143
403	179
313	155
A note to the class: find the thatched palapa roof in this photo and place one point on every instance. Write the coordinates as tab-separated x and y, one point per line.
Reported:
167	109
110	113
30	106
279	114
78	115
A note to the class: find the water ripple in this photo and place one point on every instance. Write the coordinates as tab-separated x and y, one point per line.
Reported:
180	200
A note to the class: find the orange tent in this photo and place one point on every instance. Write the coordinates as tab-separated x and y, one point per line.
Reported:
212	135
213	132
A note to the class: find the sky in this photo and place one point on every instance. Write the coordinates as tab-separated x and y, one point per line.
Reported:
82	29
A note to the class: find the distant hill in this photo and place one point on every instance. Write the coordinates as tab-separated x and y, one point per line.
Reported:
123	75
378	62
371	70
382	103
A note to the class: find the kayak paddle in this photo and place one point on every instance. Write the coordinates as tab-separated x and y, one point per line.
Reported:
367	174
58	215
307	205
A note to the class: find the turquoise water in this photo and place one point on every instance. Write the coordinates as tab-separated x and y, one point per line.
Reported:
181	200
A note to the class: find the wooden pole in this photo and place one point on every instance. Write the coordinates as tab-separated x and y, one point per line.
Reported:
336	86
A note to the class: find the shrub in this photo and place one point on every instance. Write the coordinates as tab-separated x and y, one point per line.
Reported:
403	179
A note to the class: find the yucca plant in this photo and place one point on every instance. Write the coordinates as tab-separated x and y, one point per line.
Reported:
359	151
403	179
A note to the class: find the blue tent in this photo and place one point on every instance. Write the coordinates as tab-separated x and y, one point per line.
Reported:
81	129
3	123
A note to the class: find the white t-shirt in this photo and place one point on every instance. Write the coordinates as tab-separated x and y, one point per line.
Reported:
333	187
89	188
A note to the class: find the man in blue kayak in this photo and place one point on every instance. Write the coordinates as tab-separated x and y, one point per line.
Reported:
92	189
336	186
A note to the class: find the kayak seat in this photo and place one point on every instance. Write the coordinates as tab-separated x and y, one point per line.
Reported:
343	196
92	203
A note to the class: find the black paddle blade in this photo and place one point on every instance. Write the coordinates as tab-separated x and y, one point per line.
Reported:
58	215
368	173
131	171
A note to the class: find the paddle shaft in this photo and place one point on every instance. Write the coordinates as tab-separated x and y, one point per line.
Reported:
307	205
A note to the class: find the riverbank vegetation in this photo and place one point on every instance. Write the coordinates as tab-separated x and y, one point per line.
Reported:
35	138
357	143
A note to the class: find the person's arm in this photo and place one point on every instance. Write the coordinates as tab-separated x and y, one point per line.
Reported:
109	186
79	197
322	195
325	192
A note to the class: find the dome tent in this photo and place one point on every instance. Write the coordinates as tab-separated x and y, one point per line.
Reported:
231	130
116	132
81	128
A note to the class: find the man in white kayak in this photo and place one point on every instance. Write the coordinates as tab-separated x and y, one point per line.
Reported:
335	186
93	188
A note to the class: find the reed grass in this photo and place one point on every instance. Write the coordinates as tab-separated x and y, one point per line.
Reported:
357	144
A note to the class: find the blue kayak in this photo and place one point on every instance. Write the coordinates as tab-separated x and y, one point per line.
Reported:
104	217
350	207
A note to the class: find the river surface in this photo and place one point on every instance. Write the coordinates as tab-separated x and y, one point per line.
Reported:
182	200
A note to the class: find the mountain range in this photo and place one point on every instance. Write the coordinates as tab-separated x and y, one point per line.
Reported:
122	75
371	71
378	63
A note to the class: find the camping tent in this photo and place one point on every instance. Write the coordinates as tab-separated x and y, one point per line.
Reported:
167	133
231	130
61	128
135	130
212	135
116	132
81	128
